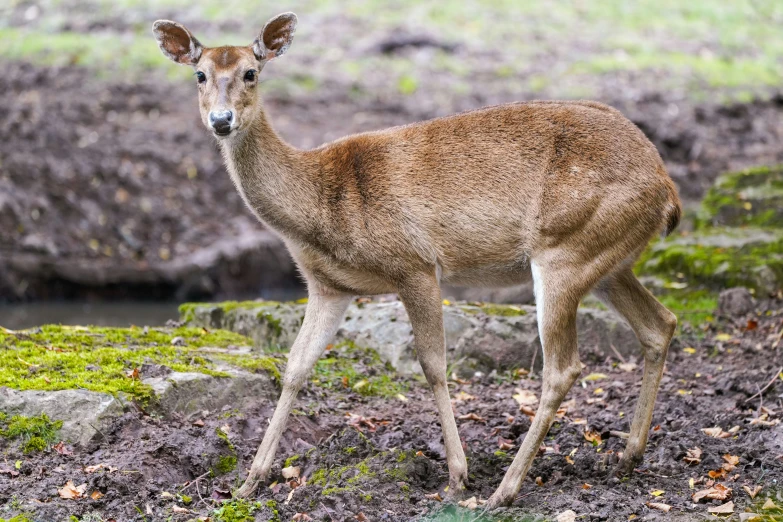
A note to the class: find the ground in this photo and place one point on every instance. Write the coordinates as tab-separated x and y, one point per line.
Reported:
111	187
377	451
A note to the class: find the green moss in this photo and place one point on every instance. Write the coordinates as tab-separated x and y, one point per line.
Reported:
342	479
721	258
236	510
752	197
273	322
495	309
271	504
290	461
36	433
187	311
225	463
17	518
337	369
100	359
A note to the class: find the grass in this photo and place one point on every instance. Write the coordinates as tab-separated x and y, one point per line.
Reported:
34	433
734	47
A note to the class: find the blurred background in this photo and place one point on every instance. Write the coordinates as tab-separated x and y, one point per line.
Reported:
115	205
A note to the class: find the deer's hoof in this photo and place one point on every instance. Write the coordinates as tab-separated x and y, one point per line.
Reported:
626	466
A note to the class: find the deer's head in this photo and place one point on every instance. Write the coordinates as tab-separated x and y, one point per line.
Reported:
227	76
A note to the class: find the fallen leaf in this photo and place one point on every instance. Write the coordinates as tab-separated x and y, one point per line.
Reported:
752	492
400	397
505	444
594	377
657	492
769	504
717	492
525	397
659	506
361	517
133	374
586	486
462	396
70	491
178	509
723	509
291	472
95	495
434	496
221	494
199	423
722	337
96	467
752	324
539	481
717	473
569	460
593	437
566	516
301	516
473	417
716	432
693	455
9	472
627	367
62	449
470	503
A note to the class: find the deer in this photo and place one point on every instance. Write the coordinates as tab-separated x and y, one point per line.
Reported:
564	193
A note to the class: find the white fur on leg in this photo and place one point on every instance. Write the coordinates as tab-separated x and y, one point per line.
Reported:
538	292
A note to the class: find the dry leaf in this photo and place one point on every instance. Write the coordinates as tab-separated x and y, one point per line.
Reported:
291	472
594	377
752	492
539	481
61	448
70	491
627	367
178	509
470	503
659	506
462	396
301	516
723	509
569	460
717	492
657	492
566	516
472	416
693	455
769	504
716	432
361	517
586	486
95	495
434	496
96	467
525	397
593	437
133	374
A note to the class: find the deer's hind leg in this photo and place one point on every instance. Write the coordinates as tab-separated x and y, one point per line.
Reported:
558	290
654	326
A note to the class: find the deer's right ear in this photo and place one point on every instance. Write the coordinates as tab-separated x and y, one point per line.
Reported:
176	42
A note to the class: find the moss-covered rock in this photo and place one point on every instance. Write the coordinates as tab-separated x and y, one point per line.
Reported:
752	197
719	258
85	375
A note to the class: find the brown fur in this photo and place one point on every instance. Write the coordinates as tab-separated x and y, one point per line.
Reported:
568	193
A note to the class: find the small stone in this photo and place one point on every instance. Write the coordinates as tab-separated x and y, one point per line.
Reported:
736	302
178	341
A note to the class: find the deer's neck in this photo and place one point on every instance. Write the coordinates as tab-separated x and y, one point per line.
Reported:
271	176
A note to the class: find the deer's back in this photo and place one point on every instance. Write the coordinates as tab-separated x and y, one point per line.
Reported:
479	191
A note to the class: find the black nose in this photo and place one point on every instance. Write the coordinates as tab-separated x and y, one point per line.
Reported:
221	121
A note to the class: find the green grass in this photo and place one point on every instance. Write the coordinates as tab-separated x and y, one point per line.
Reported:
734	47
34	433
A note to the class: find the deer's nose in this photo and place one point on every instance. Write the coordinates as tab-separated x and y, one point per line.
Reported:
221	121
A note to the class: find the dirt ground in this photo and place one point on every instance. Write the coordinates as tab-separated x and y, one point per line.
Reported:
111	189
372	458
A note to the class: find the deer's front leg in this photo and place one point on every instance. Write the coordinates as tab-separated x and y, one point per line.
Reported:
322	318
422	300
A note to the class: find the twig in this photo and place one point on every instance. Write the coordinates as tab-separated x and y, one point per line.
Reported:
99	431
533	362
619	356
765	388
186	486
777	342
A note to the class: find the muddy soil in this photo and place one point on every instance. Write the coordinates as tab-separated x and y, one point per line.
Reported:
384	457
113	189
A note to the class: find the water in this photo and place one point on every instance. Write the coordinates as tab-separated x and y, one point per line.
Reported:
20	316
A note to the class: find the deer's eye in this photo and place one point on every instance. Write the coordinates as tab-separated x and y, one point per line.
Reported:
250	75
201	77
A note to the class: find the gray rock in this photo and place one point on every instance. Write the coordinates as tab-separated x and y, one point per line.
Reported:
190	392
476	340
83	412
736	302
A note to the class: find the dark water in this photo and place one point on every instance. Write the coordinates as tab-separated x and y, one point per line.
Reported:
20	316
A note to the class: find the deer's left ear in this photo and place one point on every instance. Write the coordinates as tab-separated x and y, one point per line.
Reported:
176	42
276	37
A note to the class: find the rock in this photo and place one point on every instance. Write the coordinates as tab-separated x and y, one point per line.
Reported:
736	302
83	412
752	197
478	338
190	392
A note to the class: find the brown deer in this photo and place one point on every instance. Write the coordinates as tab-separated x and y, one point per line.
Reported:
565	193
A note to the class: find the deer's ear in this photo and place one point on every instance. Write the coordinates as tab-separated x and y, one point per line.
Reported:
176	42
276	37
